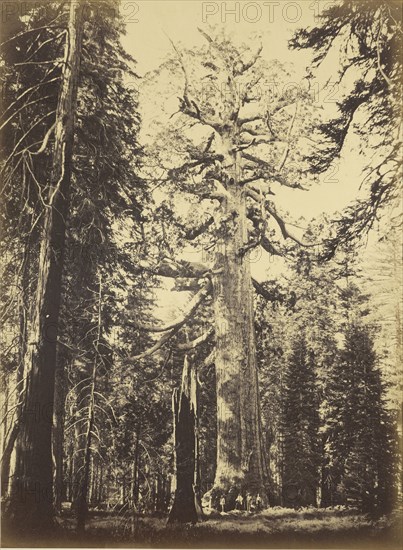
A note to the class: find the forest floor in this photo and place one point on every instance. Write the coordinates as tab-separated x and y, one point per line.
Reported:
272	528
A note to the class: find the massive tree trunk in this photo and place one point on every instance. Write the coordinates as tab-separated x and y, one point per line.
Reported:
239	445
31	499
185	507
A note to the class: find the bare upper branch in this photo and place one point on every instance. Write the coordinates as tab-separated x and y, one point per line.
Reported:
270	173
242	67
283	225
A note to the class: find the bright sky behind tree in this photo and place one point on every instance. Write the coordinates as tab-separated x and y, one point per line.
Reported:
152	24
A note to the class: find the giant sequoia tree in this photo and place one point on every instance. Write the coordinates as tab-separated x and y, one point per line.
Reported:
229	144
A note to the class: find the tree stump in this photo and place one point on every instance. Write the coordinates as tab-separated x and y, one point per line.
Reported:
186	506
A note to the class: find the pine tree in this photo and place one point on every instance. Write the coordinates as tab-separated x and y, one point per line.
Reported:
106	213
365	424
30	81
361	431
301	449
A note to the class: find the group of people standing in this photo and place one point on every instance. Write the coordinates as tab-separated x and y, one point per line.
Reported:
250	503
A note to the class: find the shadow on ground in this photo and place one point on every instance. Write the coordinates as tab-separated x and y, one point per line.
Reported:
272	528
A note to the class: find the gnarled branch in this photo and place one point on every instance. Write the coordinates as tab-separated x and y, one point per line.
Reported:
177	269
268	247
262	291
187	105
287	148
270	172
195	232
179	321
283	226
197	341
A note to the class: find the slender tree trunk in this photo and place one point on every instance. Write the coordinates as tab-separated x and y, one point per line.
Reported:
185	507
194	399
4	426
121	483
95	482
70	473
82	503
58	433
84	475
168	493
133	483
154	496
100	485
135	486
325	483
5	452
6	458
9	442
158	493
92	482
239	448
31	500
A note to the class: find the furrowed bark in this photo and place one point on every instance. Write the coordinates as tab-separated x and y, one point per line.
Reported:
239	450
30	508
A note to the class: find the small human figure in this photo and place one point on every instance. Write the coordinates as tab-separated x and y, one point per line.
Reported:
239	502
222	503
259	502
248	502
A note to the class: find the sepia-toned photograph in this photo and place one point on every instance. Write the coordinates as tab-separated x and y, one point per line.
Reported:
201	230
